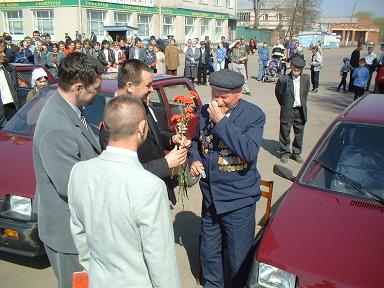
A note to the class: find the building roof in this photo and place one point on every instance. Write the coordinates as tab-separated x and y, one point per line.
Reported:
338	20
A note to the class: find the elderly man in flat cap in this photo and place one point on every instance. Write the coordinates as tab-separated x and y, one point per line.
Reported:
224	152
291	92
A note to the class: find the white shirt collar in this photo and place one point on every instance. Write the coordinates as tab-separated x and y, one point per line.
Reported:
119	150
75	108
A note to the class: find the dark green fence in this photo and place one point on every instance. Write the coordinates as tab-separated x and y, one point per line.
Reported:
260	35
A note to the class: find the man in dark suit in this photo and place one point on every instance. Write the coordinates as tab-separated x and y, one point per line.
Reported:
137	51
135	78
291	92
355	58
63	138
224	152
9	100
205	55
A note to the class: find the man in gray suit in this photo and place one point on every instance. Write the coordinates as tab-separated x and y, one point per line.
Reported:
63	138
120	218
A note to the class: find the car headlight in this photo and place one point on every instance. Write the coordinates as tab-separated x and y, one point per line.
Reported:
21	205
273	277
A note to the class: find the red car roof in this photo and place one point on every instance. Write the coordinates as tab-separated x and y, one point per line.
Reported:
367	109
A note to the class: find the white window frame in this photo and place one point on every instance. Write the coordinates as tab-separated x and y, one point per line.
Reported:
205	29
10	21
202	1
119	16
228	3
38	22
90	20
264	17
169	27
216	2
144	28
190	28
219	30
279	16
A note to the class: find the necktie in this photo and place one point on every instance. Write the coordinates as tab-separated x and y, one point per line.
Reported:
83	119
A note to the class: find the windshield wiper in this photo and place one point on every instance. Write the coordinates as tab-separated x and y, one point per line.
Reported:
354	183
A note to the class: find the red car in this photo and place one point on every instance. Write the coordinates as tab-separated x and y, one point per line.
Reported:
328	230
18	222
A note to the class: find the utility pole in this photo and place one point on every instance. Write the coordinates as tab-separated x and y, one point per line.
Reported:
256	8
350	22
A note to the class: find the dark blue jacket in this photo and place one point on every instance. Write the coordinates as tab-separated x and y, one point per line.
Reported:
242	134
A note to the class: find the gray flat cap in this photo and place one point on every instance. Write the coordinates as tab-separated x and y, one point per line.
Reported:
226	80
298	61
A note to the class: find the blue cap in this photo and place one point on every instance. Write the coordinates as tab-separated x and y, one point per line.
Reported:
346	59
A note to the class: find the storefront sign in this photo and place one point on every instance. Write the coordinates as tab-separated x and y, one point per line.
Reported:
33	4
145	3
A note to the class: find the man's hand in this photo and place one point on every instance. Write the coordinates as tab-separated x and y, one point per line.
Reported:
176	157
215	112
182	142
196	168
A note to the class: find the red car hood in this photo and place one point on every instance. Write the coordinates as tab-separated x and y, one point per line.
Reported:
326	239
17	175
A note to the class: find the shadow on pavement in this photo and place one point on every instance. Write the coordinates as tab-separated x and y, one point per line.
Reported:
39	262
331	102
187	231
271	146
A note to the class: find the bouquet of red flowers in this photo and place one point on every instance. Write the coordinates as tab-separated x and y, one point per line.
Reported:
181	120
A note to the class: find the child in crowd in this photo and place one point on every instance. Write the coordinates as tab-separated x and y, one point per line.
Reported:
220	56
39	81
360	78
344	73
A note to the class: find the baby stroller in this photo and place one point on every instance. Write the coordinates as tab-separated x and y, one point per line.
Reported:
272	71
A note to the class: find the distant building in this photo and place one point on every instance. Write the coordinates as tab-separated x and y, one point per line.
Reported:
272	16
182	18
351	30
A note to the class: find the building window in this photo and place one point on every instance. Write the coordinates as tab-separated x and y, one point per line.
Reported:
122	19
264	17
203	1
168	25
43	21
228	3
190	27
217	2
279	16
95	21
144	25
219	30
14	22
205	27
244	16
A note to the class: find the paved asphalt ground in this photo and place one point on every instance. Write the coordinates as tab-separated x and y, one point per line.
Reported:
323	107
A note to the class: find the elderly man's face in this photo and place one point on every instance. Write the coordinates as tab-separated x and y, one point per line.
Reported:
226	99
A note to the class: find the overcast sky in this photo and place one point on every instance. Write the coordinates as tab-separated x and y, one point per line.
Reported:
345	7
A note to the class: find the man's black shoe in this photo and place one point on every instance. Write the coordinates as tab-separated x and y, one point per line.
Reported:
297	158
284	158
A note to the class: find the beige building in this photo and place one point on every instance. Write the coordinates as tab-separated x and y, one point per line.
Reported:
183	19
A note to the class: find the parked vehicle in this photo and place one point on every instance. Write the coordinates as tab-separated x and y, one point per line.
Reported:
327	231
18	220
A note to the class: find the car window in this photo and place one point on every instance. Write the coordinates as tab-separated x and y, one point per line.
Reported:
156	103
24	121
350	160
26	76
172	91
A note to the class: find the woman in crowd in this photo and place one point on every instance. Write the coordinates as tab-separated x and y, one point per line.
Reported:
77	45
25	55
150	57
119	54
252	45
107	57
54	58
61	46
70	48
172	60
39	81
316	65
160	60
220	57
192	56
87	48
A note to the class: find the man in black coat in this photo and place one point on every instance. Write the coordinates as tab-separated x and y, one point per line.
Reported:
355	58
8	93
135	78
291	92
205	54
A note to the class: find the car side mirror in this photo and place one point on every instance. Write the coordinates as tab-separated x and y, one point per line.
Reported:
283	172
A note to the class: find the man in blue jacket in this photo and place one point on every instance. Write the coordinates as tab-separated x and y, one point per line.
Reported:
224	150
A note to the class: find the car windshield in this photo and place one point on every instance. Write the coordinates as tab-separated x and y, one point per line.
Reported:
350	161
24	121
